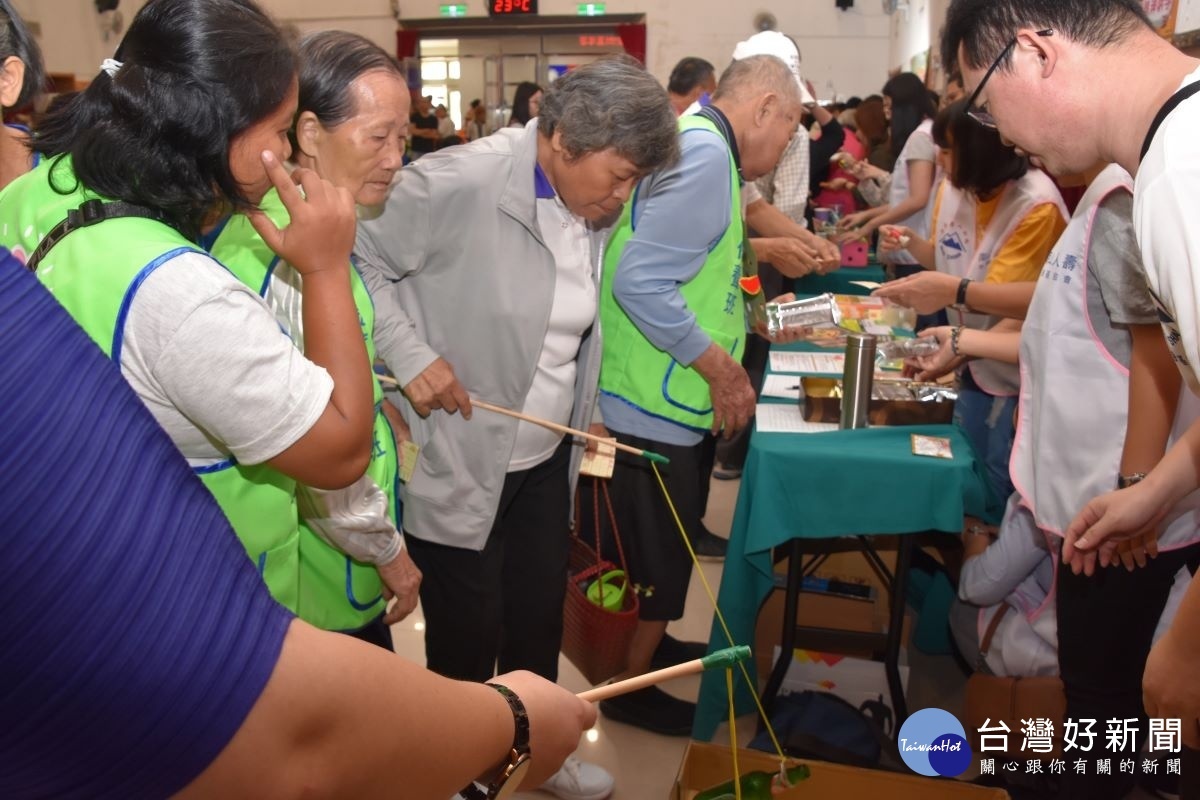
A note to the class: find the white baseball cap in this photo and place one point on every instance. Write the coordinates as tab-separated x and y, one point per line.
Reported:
774	43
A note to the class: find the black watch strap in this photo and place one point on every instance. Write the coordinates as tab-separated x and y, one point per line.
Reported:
520	746
472	792
520	717
961	297
1125	481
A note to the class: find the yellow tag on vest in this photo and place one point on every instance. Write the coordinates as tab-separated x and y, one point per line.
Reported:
408	453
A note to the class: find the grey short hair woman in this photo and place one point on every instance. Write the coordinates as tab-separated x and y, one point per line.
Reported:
484	266
349	129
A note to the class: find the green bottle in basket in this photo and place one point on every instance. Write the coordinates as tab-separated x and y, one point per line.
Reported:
608	591
757	785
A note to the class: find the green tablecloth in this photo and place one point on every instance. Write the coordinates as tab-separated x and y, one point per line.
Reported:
824	485
840	281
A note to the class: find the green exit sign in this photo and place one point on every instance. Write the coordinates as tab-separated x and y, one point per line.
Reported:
453	11
591	9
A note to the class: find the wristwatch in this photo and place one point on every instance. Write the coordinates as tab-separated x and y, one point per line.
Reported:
960	297
513	772
1125	481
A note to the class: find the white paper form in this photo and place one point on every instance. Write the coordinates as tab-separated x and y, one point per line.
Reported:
828	364
786	418
809	363
786	387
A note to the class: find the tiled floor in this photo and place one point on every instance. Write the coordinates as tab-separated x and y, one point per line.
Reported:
645	764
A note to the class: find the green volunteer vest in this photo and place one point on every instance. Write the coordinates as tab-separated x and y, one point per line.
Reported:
336	592
95	273
634	370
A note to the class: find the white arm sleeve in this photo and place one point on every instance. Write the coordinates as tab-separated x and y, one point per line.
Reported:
354	520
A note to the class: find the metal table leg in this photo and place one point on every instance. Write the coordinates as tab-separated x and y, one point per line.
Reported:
795	576
898	599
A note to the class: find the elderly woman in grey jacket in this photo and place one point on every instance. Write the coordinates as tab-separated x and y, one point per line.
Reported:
484	266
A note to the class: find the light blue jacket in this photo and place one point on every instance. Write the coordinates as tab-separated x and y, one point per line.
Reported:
457	268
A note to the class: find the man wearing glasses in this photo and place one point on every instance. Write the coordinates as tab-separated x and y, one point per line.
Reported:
1046	74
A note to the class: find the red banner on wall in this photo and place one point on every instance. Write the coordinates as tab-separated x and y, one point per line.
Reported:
406	44
633	38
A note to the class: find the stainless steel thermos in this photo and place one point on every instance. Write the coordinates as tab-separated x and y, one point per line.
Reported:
857	379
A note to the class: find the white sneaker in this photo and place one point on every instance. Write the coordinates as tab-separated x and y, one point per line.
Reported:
579	780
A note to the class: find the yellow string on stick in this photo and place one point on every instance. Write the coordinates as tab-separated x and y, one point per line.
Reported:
724	627
737	776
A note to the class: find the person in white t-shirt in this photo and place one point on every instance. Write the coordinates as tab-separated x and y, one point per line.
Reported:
252	413
993	220
907	105
692	80
446	127
477	127
1091	332
1044	74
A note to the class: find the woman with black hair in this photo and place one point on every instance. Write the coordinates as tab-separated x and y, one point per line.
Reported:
527	101
22	75
350	126
187	679
1100	402
907	107
994	221
168	135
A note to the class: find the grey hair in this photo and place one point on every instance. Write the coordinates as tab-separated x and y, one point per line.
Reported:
748	78
612	104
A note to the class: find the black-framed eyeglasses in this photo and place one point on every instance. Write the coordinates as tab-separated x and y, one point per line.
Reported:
980	115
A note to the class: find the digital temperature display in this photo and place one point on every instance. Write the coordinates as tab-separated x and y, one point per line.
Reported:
508	8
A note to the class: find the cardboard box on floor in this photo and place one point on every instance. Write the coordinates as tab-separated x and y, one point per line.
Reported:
858	681
851	674
822	610
707	765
